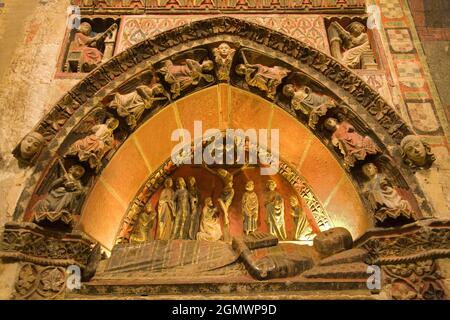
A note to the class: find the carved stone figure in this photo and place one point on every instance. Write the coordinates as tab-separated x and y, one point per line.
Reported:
210	229
61	202
144	223
352	145
266	79
416	153
223	56
166	211
132	105
194	201
309	103
383	196
30	147
349	46
85	49
302	229
275	211
250	208
180	77
182	211
94	147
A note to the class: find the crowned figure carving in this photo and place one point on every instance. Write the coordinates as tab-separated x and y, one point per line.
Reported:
62	200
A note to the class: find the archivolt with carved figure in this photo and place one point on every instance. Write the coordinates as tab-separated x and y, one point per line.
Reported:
162	219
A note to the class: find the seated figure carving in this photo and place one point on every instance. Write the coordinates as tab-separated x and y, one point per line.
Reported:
349	46
352	145
84	50
132	105
309	103
94	147
61	202
210	229
383	196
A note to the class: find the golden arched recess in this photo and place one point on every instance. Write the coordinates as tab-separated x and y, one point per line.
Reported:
220	106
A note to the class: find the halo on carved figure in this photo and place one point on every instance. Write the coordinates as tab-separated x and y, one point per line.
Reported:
416	153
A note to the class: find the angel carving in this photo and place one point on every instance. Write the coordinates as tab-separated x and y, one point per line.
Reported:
190	73
62	196
352	145
385	197
131	106
94	146
264	78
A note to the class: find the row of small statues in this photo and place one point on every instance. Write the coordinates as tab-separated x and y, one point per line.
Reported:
178	214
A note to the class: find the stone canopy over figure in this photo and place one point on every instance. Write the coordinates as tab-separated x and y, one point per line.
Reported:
61	202
352	145
250	208
210	229
86	48
309	103
275	211
180	77
94	147
349	46
266	79
383	196
132	105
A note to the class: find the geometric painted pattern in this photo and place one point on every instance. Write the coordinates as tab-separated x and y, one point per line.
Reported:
309	29
410	74
391	9
400	40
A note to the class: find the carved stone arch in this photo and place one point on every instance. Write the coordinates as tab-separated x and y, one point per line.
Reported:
68	113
